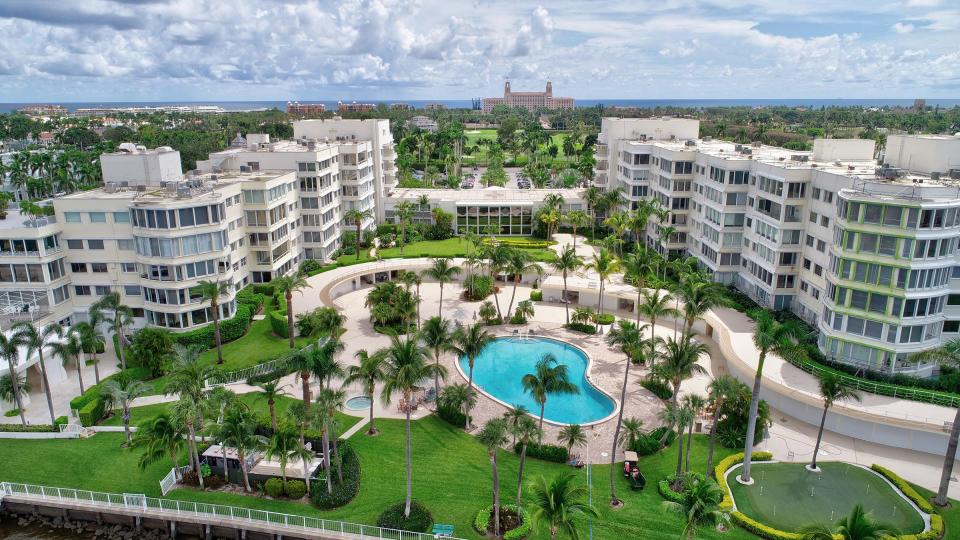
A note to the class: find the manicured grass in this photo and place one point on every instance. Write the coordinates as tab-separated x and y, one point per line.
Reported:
788	497
451	247
475	135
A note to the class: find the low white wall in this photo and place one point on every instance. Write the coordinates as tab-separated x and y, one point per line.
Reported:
37	435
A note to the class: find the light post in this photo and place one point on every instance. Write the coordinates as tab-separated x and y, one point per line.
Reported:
596	433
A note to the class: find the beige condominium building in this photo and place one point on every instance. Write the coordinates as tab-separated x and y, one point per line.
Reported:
865	250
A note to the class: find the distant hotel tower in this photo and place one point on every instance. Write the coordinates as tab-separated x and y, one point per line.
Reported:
528	100
305	109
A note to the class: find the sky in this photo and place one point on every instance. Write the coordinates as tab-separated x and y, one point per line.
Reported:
238	50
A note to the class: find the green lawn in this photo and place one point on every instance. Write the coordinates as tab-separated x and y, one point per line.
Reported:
451	247
480	157
788	496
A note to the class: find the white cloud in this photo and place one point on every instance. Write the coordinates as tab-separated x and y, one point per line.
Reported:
902	28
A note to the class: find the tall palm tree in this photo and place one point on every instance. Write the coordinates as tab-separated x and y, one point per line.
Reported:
161	438
10	351
329	401
699	505
212	291
566	262
406	366
720	390
121	391
69	351
514	416
593	195
677	417
111	310
605	265
577	219
35	340
187	379
629	337
303	362
326	366
288	285
357	217
949	354
783	340
526	432
370	372
620	223
493	436
239	431
436	335
637	268
271	391
832	389
519	263
559	502
498	256
550	377
695	403
284	446
92	339
858	525
442	272
678	361
13	389
470	341
699	296
403	211
186	412
655	307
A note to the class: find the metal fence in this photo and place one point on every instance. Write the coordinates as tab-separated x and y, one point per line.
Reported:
270	366
170	480
226	515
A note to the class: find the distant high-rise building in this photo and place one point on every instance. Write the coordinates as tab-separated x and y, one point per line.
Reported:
532	101
43	110
305	109
355	107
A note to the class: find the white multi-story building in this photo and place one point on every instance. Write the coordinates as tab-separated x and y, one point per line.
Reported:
865	251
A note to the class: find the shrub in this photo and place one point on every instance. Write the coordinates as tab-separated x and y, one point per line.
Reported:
581	327
60	420
420	519
452	416
761	530
606	318
907	489
274	487
295	489
278	322
482	522
30	428
230	329
649	443
659	388
477	287
309	265
343	492
667	492
92	412
724	465
536	296
546	452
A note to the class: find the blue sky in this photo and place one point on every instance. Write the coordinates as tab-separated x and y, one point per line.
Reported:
137	50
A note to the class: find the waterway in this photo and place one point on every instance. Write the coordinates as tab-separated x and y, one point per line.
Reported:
9	530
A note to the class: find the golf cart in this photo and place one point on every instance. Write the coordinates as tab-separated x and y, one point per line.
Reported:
632	472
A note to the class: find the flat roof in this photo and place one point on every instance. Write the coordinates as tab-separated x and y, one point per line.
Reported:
486	195
277	146
154	193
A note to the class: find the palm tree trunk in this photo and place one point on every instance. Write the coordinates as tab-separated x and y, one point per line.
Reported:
372	430
653	341
543	407
469	392
46	387
752	422
215	307
336	452
439	307
679	453
326	459
406	508
948	459
523	459
713	438
196	455
600	301
126	420
80	374
243	470
686	464
290	317
496	495
436	376
566	304
17	399
496	295
305	385
616	433
420	300
226	477
637	307
273	414
119	333
359	224
516	281
96	365
816	447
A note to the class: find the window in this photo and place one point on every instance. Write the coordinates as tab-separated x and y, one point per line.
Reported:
99	268
71	217
121	217
131	290
128	267
98	217
75	244
81	290
77	268
94	244
125	244
102	290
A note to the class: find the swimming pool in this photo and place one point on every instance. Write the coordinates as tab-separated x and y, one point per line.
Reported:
504	362
358	403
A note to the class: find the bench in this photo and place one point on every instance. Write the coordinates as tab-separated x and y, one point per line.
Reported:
442	529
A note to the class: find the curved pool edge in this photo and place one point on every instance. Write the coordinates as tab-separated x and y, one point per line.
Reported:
586	372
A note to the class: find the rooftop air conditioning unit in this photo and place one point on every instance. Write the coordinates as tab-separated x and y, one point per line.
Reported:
691	143
125	183
934	175
244	168
738	148
142	188
183	192
110	187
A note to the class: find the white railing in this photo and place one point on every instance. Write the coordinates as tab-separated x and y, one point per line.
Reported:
170	480
242	375
71	428
225	515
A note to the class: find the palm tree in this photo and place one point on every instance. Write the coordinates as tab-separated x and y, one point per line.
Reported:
514	416
720	390
187	379
566	262
833	389
637	267
272	391
436	335
519	264
406	366
677	417
303	363
370	371
403	211
458	397
35	340
121	391
859	525
699	505
631	431
525	432
559	502
470	341
604	265
629	337
572	435
678	361
284	445
493	436
577	219
325	366
442	272
695	403
329	402
288	285
161	438
92	339
699	296
212	291
69	351
111	310
781	339
238	431
551	377
656	307
498	256
948	353
357	217
18	387
620	223
186	412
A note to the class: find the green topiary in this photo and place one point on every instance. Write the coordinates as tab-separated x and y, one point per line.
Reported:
274	487
342	492
295	489
606	318
536	296
482	522
419	520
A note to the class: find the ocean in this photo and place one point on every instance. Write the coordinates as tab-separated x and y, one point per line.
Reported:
466	104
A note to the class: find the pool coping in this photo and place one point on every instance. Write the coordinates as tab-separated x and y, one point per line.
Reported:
923	515
586	373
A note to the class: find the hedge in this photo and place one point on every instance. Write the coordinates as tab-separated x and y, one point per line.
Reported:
420	519
907	489
763	531
274	487
649	443
581	327
30	428
278	322
724	465
452	416
342	493
606	318
663	486
92	412
295	489
658	387
546	452
482	520
536	296
230	329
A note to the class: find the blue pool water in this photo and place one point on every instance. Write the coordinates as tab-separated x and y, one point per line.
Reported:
503	363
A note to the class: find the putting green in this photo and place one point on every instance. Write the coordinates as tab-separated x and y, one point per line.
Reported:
787	496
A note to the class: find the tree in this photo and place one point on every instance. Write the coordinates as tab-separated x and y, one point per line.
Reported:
411	279
187	379
524	311
655	307
111	310
858	525
212	291
69	351
566	262
329	401
151	348
92	339
604	265
832	389
436	335
678	361
284	445
720	390
699	506
629	337
271	391
370	372
470	341
161	438
458	397
35	340
577	220
288	285
677	417
699	296
631	431
781	339
13	388
525	432
498	256
559	502
238	431
121	391
303	362
357	217
949	354
637	268
442	272
620	223
518	264
403	211
493	436
695	403
406	366
572	435
550	377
